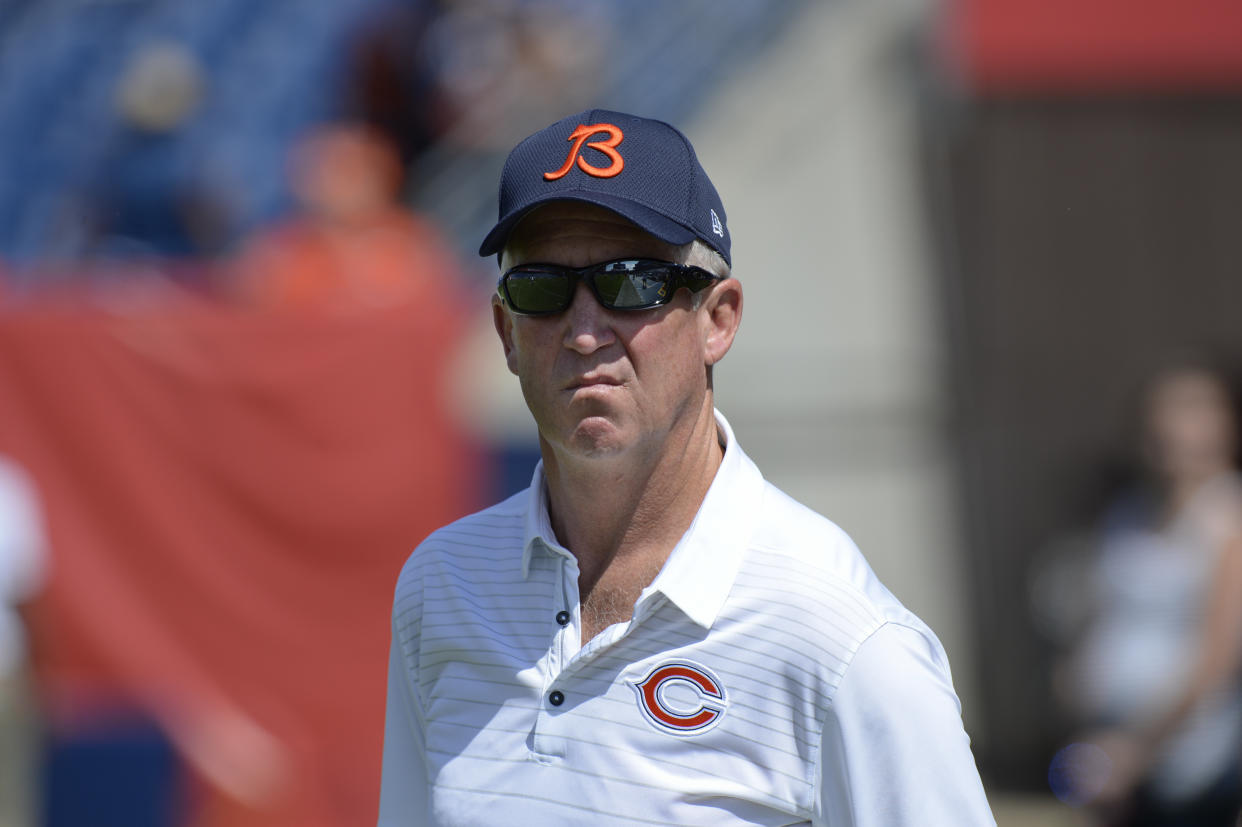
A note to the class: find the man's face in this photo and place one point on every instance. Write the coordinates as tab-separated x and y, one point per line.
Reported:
601	382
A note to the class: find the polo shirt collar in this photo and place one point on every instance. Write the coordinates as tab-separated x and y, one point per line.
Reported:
538	532
700	571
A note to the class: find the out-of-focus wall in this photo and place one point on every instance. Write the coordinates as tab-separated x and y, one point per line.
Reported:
1084	161
836	384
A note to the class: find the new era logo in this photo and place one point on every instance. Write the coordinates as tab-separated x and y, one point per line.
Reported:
717	227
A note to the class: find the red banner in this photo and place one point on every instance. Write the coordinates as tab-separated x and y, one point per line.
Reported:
1099	46
229	497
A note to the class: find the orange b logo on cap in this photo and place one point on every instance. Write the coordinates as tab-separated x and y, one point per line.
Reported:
609	147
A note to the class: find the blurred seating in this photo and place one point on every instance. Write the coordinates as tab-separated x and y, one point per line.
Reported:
272	70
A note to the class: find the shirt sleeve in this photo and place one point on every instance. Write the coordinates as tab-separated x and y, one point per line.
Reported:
894	751
403	782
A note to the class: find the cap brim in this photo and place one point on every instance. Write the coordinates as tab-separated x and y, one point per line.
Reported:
647	219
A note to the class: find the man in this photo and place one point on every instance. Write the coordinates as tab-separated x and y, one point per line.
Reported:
23	565
651	633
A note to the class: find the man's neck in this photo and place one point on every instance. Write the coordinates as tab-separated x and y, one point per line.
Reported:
628	512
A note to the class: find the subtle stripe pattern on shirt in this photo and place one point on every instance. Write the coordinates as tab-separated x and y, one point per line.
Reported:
481	642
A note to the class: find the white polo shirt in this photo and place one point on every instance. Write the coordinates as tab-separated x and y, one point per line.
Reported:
766	678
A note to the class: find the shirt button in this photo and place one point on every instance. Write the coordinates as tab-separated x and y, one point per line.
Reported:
556	697
562	617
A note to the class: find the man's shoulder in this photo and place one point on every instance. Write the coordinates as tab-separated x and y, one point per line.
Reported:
805	584
790	530
787	523
479	539
816	560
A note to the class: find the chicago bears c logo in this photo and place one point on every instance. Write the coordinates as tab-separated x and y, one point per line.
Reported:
702	703
608	147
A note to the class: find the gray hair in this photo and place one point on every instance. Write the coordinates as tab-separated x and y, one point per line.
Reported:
698	254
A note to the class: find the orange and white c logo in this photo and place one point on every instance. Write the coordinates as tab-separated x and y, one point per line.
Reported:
684	717
608	147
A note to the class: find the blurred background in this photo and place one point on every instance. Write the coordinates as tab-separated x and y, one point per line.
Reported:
990	251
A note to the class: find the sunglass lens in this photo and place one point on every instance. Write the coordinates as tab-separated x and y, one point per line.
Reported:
539	292
630	290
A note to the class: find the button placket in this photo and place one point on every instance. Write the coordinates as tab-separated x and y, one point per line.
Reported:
563	619
565	570
563	647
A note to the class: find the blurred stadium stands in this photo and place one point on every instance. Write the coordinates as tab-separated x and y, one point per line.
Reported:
264	67
234	83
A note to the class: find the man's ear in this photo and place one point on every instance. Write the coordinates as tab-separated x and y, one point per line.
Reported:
503	321
721	314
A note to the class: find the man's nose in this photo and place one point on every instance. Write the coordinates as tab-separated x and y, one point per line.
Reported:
588	326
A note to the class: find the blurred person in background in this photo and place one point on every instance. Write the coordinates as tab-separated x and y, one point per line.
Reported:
22	564
352	244
392	82
143	203
504	68
1154	677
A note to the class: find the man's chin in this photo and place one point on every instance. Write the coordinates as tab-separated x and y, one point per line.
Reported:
597	436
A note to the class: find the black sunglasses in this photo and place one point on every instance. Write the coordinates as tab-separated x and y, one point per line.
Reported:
626	284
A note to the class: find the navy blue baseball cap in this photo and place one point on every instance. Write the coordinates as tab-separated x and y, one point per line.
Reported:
642	169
